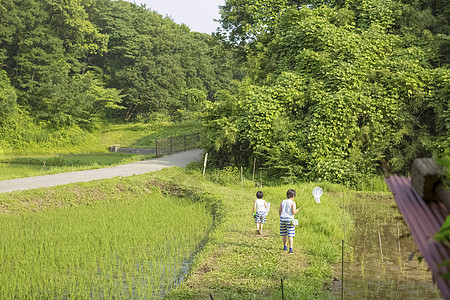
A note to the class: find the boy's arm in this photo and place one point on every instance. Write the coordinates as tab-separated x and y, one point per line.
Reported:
279	210
265	204
294	208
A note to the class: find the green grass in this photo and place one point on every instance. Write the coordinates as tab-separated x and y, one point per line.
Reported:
144	135
234	263
53	156
12	167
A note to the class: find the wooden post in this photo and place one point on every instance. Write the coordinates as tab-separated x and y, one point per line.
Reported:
185	142
204	164
342	275
381	249
260	179
242	176
171	145
156	147
254	165
426	178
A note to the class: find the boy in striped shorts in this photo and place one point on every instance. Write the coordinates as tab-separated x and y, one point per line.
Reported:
287	211
260	207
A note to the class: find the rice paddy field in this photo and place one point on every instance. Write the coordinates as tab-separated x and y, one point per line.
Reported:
384	261
176	234
113	242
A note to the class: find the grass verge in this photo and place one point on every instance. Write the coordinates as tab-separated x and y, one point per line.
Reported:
12	167
144	135
56	156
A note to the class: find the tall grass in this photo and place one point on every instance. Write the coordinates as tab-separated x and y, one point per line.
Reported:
37	139
23	137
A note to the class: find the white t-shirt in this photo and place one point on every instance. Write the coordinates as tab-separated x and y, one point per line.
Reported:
260	208
286	208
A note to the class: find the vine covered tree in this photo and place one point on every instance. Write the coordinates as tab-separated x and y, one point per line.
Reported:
334	91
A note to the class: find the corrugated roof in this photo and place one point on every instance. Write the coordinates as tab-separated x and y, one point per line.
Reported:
424	219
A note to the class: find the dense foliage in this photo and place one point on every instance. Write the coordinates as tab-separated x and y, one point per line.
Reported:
160	66
75	64
336	91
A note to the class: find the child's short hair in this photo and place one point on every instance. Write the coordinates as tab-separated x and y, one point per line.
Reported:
290	193
259	194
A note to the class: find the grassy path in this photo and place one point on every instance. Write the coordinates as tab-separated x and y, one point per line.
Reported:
236	263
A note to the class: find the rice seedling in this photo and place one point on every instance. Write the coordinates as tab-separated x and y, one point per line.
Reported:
382	248
127	249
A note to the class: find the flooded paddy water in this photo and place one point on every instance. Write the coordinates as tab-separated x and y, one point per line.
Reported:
381	259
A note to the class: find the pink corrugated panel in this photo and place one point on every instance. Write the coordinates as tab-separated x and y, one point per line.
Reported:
424	219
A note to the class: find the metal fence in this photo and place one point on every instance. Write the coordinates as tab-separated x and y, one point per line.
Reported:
177	144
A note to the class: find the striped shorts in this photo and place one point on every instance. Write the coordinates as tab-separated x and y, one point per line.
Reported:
260	218
286	228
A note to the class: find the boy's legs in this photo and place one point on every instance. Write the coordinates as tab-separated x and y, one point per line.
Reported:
263	220
291	234
284	231
260	219
258	223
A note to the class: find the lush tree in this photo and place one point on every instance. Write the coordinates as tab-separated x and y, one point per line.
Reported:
75	62
45	53
8	97
154	61
335	92
75	100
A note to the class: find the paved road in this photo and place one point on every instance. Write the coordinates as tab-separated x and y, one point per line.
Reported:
141	167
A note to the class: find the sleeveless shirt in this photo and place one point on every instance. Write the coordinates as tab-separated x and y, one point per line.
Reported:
286	209
260	208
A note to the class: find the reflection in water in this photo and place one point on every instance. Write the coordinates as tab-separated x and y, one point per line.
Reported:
383	261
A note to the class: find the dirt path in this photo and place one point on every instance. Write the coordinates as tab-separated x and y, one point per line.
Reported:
141	167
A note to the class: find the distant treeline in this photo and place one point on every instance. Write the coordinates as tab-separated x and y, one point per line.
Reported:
67	62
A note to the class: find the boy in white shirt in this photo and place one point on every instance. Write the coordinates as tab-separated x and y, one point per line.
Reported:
287	211
260	207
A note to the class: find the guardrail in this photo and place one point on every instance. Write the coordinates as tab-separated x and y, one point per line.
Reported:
177	144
